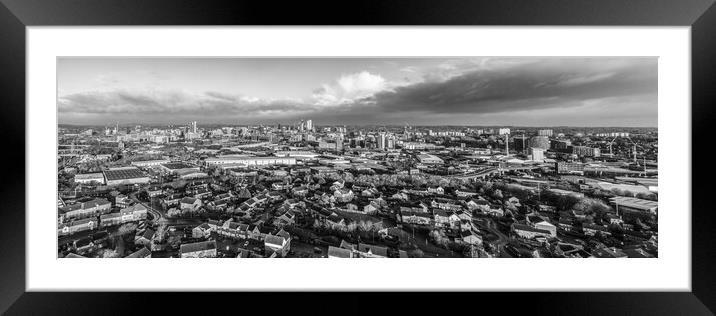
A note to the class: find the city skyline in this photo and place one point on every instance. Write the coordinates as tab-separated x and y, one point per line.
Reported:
483	91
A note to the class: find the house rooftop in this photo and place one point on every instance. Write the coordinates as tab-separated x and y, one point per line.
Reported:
339	252
198	246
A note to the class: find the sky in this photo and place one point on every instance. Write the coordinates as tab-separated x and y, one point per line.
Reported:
512	91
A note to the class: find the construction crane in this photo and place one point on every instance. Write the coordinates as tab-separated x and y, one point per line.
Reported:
610	146
634	150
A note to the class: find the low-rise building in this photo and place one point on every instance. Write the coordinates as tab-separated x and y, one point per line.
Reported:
90	178
85	209
202	249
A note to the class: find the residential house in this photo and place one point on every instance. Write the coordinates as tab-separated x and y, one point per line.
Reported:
154	191
566	224
335	252
91	208
189	203
542	223
413	217
529	232
83	245
300	191
133	213
202	249
436	190
141	253
287	218
370	209
593	229
464	194
145	239
371	251
441	218
230	229
76	226
201	231
172	199
280	243
470	238
122	201
343	195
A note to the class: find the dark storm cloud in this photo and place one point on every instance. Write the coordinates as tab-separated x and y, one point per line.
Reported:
172	102
531	86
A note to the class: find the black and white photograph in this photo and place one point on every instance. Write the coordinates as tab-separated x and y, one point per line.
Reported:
504	155
357	157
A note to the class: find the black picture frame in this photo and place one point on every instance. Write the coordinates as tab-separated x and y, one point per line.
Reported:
15	15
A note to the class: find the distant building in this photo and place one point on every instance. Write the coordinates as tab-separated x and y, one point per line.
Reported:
537	154
585	151
634	205
90	178
429	159
545	132
149	163
568	167
251	161
560	144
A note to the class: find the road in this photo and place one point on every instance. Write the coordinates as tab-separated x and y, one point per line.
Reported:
158	215
502	239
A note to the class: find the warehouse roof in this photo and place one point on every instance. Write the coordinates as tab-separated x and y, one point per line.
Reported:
124	173
634	203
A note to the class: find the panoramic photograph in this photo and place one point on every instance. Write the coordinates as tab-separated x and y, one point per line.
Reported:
348	157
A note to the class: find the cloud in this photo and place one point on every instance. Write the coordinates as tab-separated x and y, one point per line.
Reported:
174	103
527	86
587	91
348	88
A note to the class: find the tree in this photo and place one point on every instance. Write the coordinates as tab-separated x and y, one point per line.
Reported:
126	229
438	236
591	206
173	212
497	194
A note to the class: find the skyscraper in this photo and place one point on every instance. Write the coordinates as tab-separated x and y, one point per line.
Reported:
382	141
309	125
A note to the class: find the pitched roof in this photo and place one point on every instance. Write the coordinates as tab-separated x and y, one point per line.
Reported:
376	250
141	253
339	252
274	240
188	200
198	246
